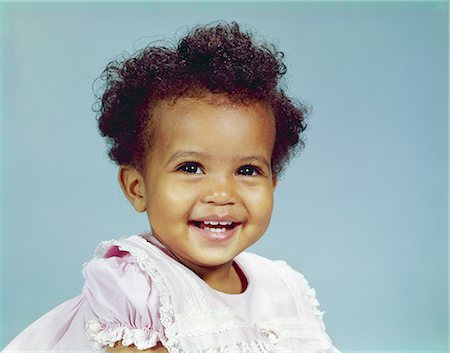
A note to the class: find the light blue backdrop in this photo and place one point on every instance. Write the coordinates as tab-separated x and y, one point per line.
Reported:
362	213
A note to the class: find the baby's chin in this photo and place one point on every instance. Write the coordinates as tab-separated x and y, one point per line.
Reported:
211	254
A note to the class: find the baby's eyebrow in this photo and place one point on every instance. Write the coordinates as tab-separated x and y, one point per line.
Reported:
253	158
194	154
185	154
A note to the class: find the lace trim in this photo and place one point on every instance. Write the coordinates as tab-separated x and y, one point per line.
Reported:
280	329
240	347
311	298
201	323
107	334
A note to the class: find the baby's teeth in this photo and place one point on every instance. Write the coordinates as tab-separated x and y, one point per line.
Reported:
222	223
215	230
213	223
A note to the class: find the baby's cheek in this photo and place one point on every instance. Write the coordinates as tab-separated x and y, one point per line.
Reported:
173	194
262	205
182	191
264	197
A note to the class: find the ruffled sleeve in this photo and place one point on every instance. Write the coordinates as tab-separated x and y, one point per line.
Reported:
124	302
308	306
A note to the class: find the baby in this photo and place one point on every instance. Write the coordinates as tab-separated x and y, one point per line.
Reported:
201	133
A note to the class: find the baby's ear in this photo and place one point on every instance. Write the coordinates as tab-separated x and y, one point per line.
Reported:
274	181
133	187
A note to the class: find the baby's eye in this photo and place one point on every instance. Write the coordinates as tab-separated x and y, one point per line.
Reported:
249	170
190	168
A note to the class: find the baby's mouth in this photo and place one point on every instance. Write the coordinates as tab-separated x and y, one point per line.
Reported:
214	226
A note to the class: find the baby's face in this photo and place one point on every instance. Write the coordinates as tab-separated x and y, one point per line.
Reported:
208	182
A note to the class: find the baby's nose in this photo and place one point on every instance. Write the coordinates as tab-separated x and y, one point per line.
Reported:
220	191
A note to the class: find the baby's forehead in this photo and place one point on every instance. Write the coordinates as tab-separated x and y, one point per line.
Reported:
182	106
213	114
208	111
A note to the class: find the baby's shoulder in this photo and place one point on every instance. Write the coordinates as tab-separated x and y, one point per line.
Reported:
293	305
120	267
131	251
123	297
282	279
112	257
261	265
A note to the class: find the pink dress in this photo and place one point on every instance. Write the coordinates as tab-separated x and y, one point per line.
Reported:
136	293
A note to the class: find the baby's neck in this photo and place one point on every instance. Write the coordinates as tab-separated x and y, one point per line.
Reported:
225	278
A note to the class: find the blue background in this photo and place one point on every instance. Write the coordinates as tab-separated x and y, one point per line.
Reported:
363	212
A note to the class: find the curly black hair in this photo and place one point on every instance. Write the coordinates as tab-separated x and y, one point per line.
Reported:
218	59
